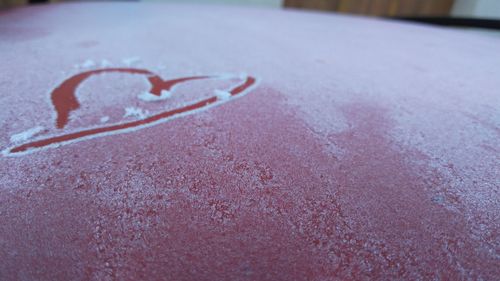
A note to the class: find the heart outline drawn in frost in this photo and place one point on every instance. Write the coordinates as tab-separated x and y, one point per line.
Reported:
64	100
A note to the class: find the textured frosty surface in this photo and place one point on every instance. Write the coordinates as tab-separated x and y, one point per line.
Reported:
369	150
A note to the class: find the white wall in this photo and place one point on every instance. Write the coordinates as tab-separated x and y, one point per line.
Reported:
477	8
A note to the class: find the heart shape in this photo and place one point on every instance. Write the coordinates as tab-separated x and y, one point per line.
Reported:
64	100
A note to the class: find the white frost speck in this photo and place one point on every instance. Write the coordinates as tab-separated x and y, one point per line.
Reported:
222	95
131	61
105	63
104	119
24	136
88	63
243	76
135	112
146	96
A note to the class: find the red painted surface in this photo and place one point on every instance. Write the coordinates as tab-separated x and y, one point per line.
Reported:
350	160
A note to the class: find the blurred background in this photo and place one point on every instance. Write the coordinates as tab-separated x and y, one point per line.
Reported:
474	9
405	8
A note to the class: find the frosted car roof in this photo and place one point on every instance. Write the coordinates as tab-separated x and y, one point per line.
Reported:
181	142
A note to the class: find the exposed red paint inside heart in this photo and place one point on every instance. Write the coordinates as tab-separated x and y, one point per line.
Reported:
64	96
